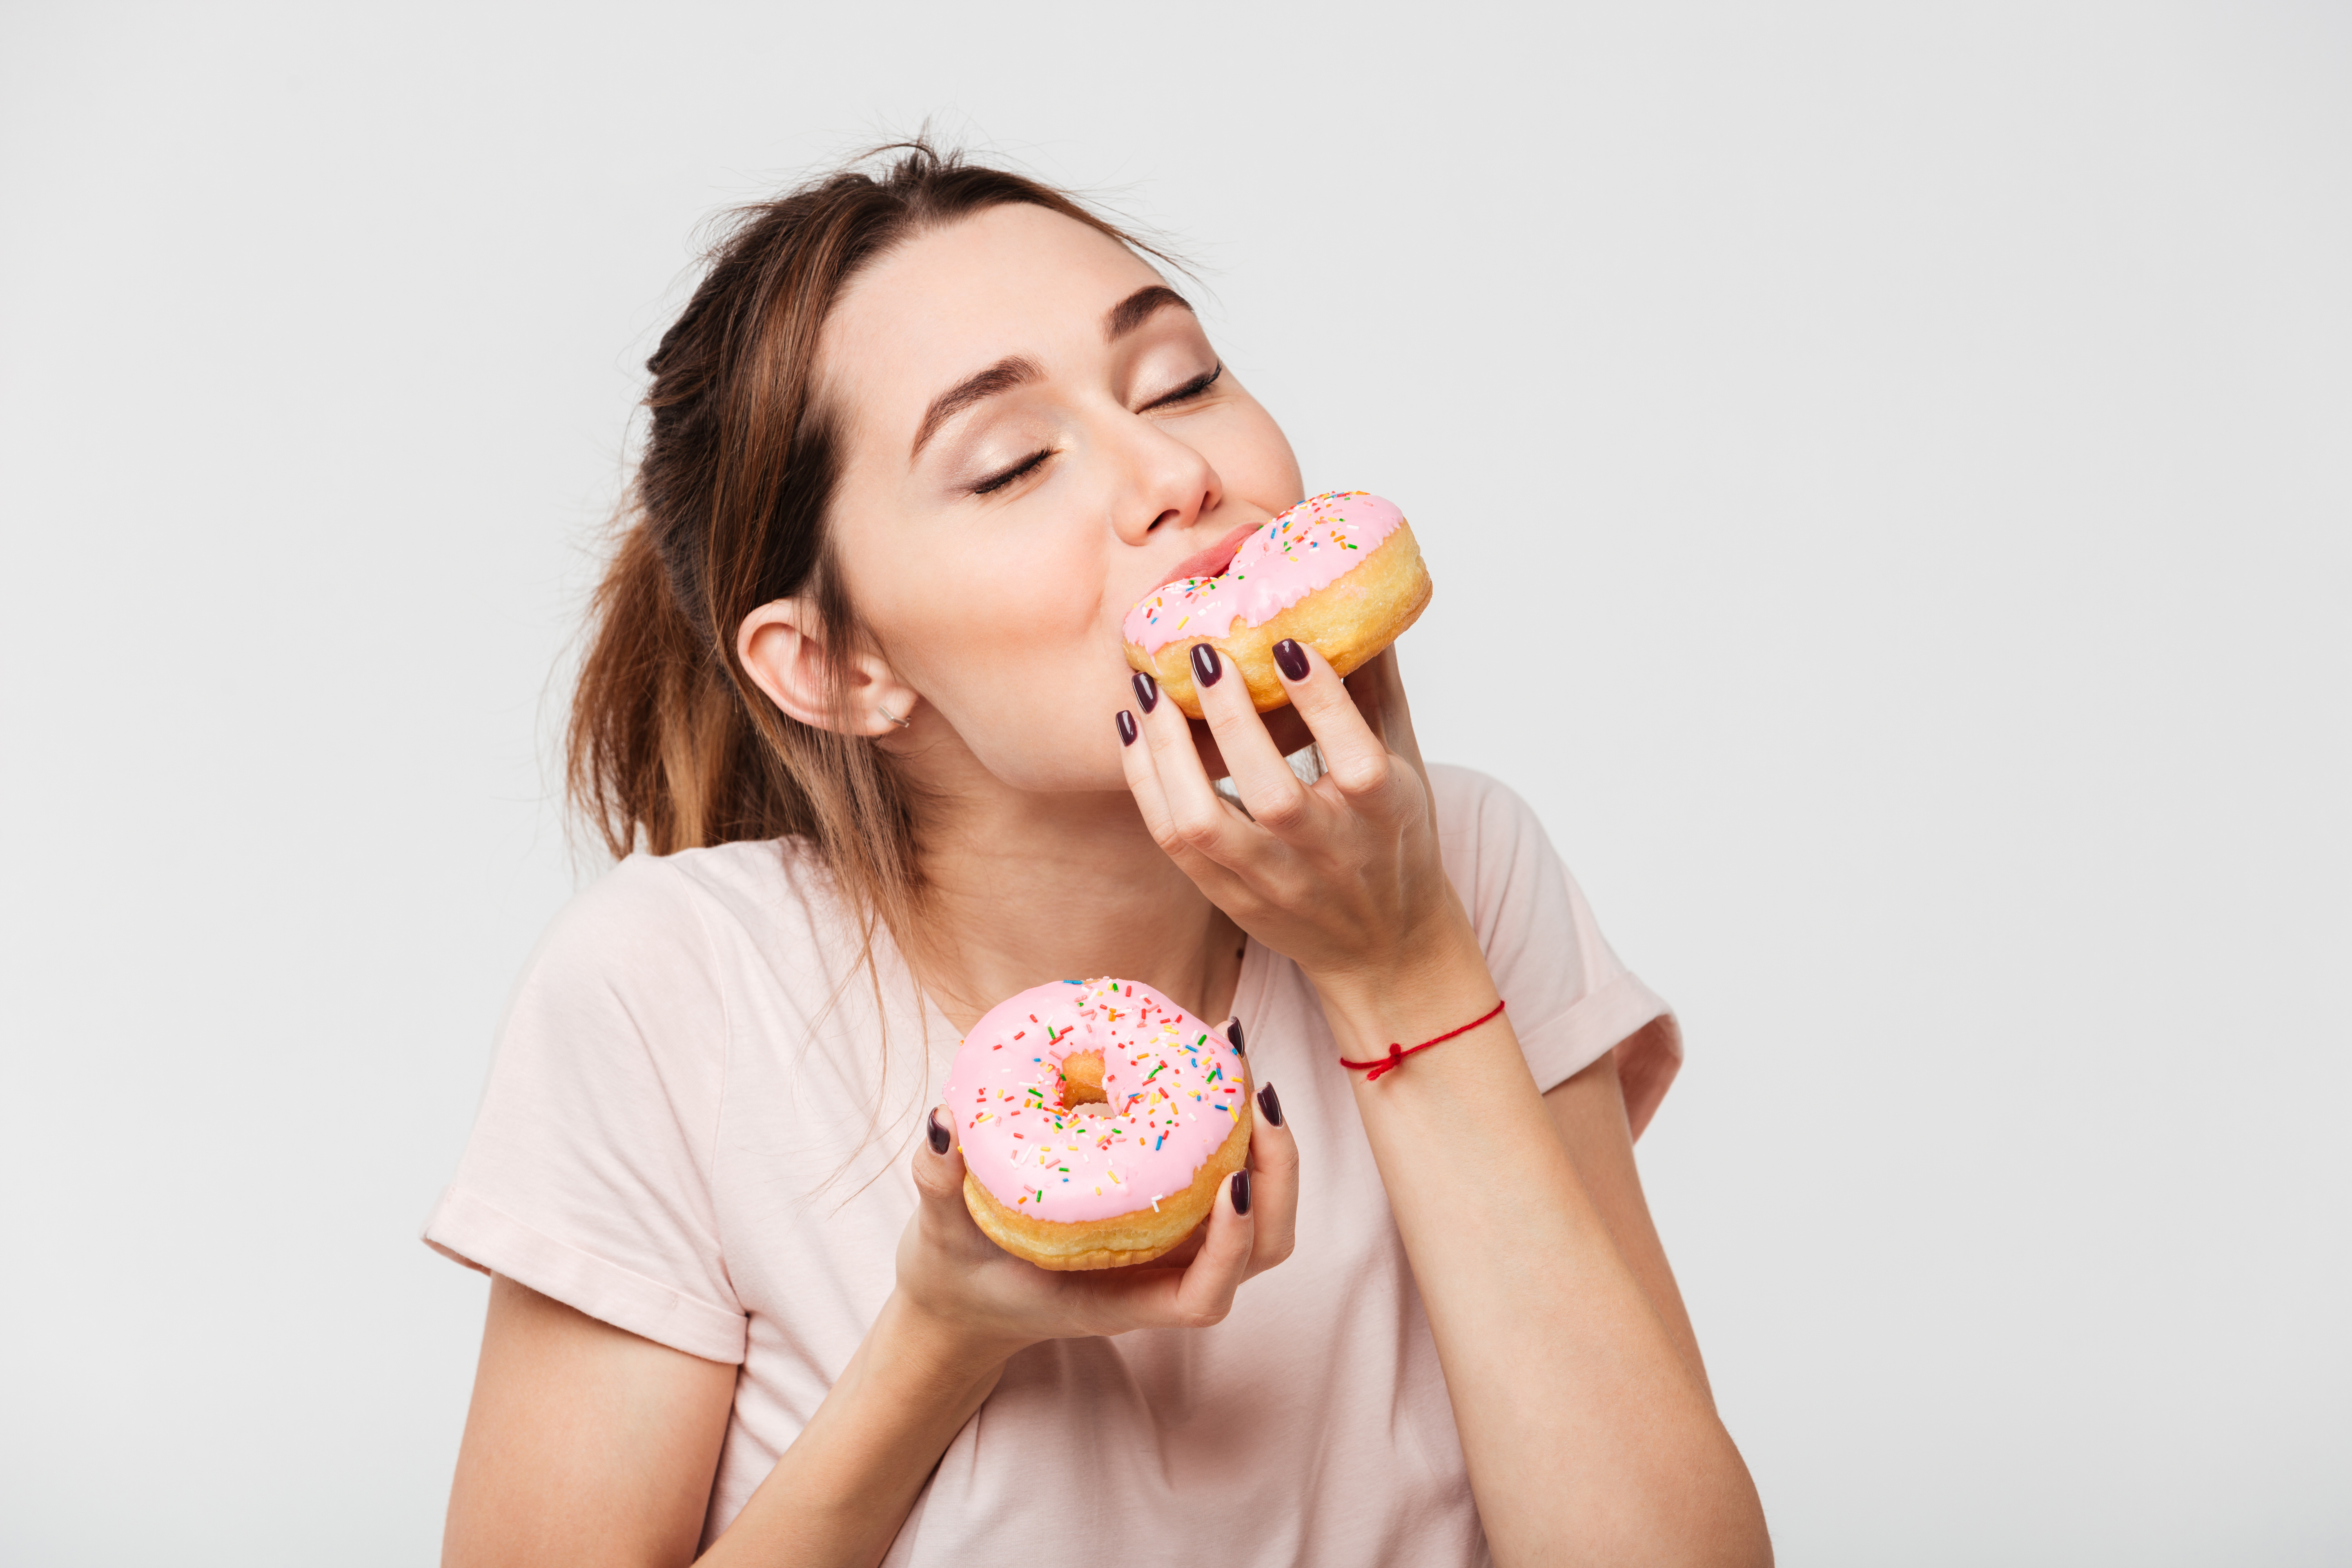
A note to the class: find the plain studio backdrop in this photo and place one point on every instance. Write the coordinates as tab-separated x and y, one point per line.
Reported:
1887	475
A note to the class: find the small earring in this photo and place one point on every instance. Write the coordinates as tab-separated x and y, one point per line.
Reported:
902	723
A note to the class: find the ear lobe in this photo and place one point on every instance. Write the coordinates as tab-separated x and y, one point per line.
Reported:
786	658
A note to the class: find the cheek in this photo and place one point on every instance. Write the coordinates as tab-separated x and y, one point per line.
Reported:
1018	653
952	616
1254	458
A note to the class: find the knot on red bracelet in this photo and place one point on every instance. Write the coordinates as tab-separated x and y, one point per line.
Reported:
1397	1053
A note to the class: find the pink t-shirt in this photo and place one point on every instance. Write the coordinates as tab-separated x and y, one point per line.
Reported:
698	1128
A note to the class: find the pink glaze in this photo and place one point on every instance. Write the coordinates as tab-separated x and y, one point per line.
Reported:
1308	547
1174	1087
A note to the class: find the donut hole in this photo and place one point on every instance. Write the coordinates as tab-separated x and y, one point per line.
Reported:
1082	1082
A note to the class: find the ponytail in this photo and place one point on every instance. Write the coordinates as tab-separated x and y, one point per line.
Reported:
661	754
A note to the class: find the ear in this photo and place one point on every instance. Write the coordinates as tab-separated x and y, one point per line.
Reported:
781	647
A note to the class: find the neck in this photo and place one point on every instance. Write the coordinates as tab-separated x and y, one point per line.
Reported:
1025	888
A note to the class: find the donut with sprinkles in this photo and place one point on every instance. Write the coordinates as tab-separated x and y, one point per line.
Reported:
1338	573
1097	1118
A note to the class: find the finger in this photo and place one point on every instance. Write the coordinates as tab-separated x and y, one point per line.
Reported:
1198	824
1151	805
1205	1293
1378	683
1143	779
1268	788
1353	757
938	1183
1213	1258
1274	1182
1184	1251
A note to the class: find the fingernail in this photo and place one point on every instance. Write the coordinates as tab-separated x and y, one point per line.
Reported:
1241	1192
1206	666
1146	691
1291	658
1126	728
1233	1033
939	1134
1271	1104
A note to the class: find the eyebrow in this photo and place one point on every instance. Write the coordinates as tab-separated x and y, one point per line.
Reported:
1006	374
1138	308
1018	370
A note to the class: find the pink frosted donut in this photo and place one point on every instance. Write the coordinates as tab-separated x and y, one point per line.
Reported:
1097	1118
1339	573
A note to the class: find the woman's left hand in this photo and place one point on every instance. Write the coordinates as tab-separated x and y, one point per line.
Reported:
1342	875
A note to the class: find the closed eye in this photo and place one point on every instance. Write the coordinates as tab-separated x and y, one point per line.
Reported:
1190	390
998	482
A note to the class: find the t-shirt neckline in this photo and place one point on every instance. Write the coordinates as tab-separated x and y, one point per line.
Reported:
1251	989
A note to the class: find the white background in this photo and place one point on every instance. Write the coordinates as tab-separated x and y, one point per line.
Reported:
1887	479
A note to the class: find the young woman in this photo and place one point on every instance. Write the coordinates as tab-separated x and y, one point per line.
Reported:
856	703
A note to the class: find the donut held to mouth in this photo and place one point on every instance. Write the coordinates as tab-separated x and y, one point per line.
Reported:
1097	1118
1339	573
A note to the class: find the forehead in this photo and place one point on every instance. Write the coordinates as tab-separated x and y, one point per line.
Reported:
1012	279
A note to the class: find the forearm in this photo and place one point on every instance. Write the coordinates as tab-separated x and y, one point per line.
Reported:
1589	1435
1588	1113
841	1491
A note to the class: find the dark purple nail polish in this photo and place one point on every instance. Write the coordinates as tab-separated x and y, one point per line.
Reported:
1146	691
1270	1103
1206	666
1241	1192
1290	659
1233	1033
939	1134
1126	728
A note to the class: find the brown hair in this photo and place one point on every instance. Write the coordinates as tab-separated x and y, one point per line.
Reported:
671	746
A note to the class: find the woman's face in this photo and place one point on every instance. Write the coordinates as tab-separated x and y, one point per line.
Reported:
1034	434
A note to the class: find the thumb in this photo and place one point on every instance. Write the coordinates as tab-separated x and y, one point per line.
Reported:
939	1163
943	1218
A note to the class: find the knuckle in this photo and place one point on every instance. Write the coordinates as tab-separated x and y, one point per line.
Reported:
1286	811
937	1182
1197	829
1317	702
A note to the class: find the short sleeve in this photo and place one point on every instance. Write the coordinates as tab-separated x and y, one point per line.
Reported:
1570	999
588	1174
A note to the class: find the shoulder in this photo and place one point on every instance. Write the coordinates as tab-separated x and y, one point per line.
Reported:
1466	798
650	968
745	884
1528	910
1489	836
663	921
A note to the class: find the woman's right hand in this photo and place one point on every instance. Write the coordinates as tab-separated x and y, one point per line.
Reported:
994	1303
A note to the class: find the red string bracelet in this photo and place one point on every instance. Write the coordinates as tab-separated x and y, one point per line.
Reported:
1395	1059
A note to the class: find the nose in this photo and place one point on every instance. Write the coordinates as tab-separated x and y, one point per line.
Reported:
1167	485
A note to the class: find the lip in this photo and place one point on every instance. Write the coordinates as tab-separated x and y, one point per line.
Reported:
1211	562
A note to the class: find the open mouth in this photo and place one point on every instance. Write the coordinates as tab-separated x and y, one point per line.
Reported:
1211	562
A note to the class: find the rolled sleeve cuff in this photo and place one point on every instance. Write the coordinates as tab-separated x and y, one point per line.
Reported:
1563	1046
469	1231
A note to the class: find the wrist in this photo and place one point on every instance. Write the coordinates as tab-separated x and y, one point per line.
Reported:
1437	983
935	1348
